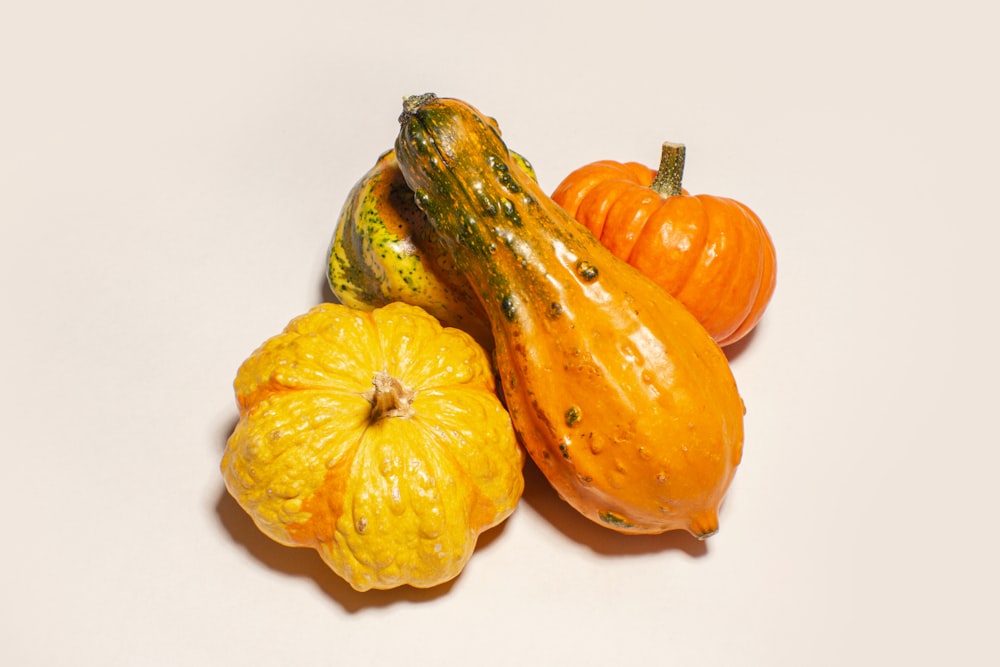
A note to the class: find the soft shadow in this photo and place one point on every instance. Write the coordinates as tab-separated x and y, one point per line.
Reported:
305	562
326	294
542	498
734	350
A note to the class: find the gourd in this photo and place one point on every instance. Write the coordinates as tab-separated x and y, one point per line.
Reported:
376	438
620	396
712	253
383	251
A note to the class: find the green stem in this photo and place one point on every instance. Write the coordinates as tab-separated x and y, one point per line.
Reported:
668	177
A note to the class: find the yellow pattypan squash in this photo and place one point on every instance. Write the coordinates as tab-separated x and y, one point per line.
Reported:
376	438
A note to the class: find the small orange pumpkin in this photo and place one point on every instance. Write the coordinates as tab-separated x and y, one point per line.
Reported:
712	253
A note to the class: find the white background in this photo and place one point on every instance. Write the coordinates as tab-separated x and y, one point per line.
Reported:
170	176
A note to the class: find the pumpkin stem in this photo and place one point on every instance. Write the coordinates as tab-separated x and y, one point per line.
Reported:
668	177
389	397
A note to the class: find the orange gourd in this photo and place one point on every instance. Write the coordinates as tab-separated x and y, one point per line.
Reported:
712	253
620	396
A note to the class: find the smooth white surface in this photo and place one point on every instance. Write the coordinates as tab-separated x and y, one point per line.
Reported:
170	174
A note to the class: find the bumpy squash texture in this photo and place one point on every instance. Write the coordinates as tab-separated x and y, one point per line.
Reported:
376	438
619	395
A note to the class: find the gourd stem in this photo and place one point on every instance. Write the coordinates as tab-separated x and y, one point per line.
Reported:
412	103
389	397
668	177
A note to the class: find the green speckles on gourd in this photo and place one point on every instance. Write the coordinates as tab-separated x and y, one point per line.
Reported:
467	232
503	175
616	520
470	234
399	198
506	236
422	199
509	307
510	211
486	204
573	416
586	270
349	279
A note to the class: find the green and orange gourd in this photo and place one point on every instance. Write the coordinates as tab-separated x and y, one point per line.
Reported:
384	251
621	397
